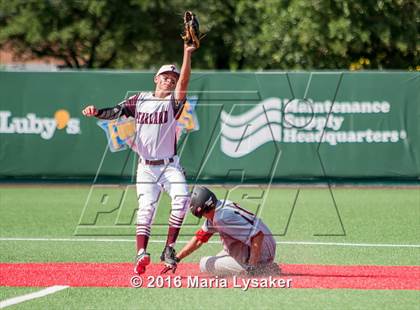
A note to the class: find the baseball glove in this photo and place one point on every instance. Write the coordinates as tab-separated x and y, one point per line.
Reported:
170	260
191	34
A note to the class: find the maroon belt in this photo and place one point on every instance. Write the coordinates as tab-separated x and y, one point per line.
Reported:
158	162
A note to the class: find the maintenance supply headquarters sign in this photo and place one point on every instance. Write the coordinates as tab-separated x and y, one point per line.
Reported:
304	121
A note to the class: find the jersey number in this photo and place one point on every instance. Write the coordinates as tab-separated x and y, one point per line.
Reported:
246	212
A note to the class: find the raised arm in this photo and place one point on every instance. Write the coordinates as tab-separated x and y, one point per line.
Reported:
184	77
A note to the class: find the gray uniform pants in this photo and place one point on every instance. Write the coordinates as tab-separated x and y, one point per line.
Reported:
224	265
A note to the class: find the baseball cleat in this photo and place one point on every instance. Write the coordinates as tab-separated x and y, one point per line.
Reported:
142	260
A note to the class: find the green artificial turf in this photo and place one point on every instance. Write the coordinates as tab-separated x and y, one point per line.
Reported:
126	298
11	292
371	216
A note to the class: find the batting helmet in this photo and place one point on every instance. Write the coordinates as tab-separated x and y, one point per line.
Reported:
202	200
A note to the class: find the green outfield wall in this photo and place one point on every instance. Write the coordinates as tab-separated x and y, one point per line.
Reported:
247	126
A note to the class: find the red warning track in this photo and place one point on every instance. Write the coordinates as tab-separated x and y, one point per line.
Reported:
119	275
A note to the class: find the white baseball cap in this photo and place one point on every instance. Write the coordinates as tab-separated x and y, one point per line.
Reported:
168	68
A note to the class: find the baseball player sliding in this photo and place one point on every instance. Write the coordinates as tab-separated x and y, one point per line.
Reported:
158	166
249	247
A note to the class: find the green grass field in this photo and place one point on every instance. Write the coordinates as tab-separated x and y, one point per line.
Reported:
370	218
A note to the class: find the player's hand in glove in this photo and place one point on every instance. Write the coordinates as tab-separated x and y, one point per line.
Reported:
170	260
191	34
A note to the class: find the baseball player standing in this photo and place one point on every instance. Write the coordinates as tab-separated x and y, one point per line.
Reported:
158	166
249	247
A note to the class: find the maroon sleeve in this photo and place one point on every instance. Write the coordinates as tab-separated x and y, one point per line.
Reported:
129	105
126	107
177	106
